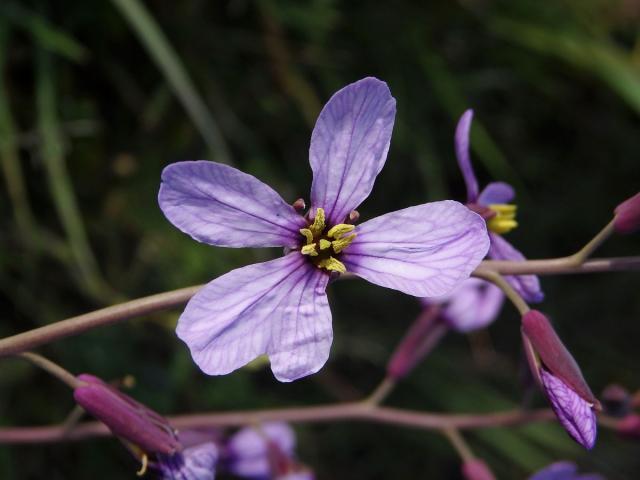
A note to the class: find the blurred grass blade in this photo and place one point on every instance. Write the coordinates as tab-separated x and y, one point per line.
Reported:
446	90
169	62
46	35
52	151
9	149
599	56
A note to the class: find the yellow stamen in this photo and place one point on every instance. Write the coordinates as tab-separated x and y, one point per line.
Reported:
309	250
324	244
505	219
342	243
332	265
318	223
143	467
307	234
338	230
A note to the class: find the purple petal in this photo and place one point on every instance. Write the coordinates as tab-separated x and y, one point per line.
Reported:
194	463
526	285
474	304
249	450
349	146
575	414
496	192
220	205
278	308
563	470
424	250
461	144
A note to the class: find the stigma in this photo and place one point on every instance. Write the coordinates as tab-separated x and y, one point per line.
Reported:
504	219
321	246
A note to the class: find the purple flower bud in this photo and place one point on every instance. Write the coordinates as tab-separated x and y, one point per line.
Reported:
422	336
560	378
476	470
627	215
616	400
629	427
127	419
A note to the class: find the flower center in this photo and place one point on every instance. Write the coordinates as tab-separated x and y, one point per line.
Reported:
321	246
504	219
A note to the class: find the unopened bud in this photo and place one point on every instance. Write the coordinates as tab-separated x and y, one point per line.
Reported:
627	215
629	427
422	336
560	378
616	400
125	417
299	205
476	470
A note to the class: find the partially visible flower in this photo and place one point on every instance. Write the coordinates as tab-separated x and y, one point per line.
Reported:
627	215
146	433
193	463
563	470
616	400
493	203
560	378
280	307
265	452
476	469
629	427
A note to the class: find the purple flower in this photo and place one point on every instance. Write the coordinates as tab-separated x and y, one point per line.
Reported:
194	463
560	378
263	453
280	307
563	470
493	204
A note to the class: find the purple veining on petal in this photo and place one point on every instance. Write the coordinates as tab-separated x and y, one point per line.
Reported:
461	144
474	304
278	308
496	192
222	206
248	449
526	285
574	413
349	146
194	463
424	250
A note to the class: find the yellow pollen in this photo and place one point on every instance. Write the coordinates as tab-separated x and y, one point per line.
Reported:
332	265
143	467
338	230
342	243
318	223
309	250
306	233
324	244
505	219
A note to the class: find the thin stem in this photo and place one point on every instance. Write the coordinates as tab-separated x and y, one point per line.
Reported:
51	367
585	252
499	281
358	411
561	266
459	444
98	318
381	392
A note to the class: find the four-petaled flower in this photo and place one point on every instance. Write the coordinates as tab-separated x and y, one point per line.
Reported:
280	307
493	204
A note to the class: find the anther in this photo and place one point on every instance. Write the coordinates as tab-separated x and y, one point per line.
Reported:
339	230
299	205
143	467
324	244
332	265
309	250
318	222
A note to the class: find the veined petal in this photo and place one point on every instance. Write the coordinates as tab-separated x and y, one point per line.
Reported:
424	250
349	146
193	463
574	413
278	308
461	144
472	305
526	285
496	192
222	206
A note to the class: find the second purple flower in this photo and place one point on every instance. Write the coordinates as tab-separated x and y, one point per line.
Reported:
280	307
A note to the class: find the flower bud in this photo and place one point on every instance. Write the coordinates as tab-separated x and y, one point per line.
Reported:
126	418
627	215
629	427
616	400
421	337
476	470
560	378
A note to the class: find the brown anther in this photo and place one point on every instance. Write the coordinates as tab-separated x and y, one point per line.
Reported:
353	217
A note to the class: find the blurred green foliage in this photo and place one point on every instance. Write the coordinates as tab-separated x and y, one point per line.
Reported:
97	97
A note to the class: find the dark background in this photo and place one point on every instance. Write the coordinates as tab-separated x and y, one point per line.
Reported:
91	117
